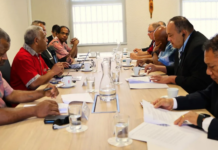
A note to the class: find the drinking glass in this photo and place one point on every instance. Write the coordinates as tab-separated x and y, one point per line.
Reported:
90	84
120	124
116	76
75	113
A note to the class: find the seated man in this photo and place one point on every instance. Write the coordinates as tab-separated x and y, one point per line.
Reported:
46	55
189	68
163	53
11	115
29	70
63	52
146	52
54	33
205	99
162	23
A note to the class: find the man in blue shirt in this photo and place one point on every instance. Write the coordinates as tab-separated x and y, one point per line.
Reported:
163	53
189	69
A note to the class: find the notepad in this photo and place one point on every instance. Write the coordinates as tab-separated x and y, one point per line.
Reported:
79	97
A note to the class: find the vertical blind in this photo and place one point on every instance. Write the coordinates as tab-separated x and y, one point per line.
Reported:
203	14
98	22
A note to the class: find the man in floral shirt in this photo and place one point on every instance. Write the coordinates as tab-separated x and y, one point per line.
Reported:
11	115
63	51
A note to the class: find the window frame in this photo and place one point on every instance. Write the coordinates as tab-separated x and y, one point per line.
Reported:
196	19
79	2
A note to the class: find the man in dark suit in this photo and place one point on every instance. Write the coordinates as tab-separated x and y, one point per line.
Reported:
54	32
189	67
207	98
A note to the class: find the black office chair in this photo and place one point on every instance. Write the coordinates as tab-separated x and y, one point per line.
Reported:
6	71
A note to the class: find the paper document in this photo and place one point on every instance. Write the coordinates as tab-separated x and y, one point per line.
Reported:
201	143
139	80
63	108
166	136
144	83
160	116
148	86
80	97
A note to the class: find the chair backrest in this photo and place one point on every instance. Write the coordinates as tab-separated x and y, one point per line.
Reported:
6	71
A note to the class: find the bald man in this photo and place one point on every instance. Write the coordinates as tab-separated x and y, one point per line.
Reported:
163	53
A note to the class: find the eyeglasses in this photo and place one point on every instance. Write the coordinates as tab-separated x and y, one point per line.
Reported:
64	33
149	32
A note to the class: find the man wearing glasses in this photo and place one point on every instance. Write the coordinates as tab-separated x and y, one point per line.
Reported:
146	52
63	51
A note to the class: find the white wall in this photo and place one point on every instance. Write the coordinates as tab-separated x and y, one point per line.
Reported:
137	18
50	11
14	20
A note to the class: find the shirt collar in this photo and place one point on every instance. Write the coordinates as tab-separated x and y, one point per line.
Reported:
186	41
168	44
29	49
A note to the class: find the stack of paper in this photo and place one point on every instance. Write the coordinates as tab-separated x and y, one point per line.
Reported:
80	97
160	116
144	83
159	129
170	137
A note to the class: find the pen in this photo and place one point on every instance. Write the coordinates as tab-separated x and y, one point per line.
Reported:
47	89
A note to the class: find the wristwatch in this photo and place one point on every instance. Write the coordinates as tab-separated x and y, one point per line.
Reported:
200	119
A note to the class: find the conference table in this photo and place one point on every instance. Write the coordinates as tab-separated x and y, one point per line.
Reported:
33	134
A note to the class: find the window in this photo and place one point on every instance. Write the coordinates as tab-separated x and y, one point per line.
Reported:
203	14
98	22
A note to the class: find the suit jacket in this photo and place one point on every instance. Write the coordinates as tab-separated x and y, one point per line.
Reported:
50	38
208	99
191	70
48	59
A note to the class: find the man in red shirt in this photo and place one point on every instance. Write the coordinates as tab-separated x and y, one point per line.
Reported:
146	52
11	115
29	70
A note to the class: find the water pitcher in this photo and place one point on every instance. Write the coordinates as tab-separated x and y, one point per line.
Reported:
107	90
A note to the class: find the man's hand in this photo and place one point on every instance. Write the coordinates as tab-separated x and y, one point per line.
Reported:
65	64
141	53
157	47
51	93
136	50
190	116
140	63
166	103
74	41
45	108
151	68
58	68
70	59
163	79
160	79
